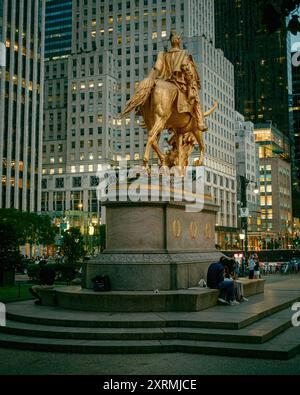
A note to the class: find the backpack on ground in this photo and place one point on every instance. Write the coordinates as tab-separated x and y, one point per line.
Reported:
101	283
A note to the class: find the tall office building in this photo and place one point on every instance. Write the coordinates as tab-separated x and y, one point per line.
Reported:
247	164
114	45
262	62
275	186
58	28
58	40
1	19
217	80
21	104
296	117
2	45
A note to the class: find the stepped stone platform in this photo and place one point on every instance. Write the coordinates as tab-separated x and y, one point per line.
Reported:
260	328
193	299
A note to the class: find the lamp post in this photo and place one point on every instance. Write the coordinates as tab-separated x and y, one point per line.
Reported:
242	238
244	214
91	234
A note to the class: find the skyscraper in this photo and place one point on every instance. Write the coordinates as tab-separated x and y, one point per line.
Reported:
261	60
275	186
58	39
2	45
296	118
58	26
1	19
247	164
21	104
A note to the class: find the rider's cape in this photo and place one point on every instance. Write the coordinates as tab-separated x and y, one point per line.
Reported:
170	66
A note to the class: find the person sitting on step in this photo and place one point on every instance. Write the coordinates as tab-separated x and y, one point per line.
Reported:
46	281
216	280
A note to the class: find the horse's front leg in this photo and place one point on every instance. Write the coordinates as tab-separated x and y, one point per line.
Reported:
152	139
161	156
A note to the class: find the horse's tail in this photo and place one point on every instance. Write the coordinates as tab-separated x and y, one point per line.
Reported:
140	96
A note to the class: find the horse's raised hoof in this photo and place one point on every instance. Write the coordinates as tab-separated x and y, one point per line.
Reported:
203	127
164	170
146	165
198	163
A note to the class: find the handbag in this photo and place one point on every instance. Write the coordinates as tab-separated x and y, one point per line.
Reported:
101	283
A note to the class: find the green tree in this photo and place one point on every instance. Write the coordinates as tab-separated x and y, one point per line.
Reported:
72	245
29	227
9	248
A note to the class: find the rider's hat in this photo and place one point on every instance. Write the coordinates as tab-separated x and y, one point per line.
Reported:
173	34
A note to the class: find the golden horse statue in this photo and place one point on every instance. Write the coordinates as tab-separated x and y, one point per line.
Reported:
168	100
160	112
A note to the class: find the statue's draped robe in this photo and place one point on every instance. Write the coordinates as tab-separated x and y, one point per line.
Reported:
170	67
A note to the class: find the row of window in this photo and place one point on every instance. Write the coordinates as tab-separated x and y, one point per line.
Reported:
223	181
76	182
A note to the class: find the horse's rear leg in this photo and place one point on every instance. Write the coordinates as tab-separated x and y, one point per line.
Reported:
156	148
152	138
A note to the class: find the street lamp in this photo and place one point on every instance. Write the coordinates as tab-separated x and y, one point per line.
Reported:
242	237
91	230
244	211
256	190
91	234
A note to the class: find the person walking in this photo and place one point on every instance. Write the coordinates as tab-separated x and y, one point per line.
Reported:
251	264
256	267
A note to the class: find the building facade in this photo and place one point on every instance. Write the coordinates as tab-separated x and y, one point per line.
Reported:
276	222
262	62
58	28
296	130
217	81
21	104
114	45
247	163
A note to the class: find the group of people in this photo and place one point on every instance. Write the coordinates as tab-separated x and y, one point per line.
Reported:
222	275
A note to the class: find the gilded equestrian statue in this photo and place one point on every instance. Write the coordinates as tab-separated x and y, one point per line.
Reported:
169	99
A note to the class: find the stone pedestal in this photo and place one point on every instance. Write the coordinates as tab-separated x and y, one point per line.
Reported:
155	245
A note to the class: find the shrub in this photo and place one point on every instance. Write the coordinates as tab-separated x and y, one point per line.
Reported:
64	271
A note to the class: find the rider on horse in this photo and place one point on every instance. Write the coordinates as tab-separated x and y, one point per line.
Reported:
168	99
178	67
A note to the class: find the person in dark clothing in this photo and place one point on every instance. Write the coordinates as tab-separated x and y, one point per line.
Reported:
216	279
47	277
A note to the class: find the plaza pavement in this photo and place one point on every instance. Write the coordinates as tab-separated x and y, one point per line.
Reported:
20	362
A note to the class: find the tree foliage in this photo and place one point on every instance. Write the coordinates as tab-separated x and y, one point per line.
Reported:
9	248
72	245
29	227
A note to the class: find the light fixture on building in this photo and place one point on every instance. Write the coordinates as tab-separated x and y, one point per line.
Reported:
91	230
242	236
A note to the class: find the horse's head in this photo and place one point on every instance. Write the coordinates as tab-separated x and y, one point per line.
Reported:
211	110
